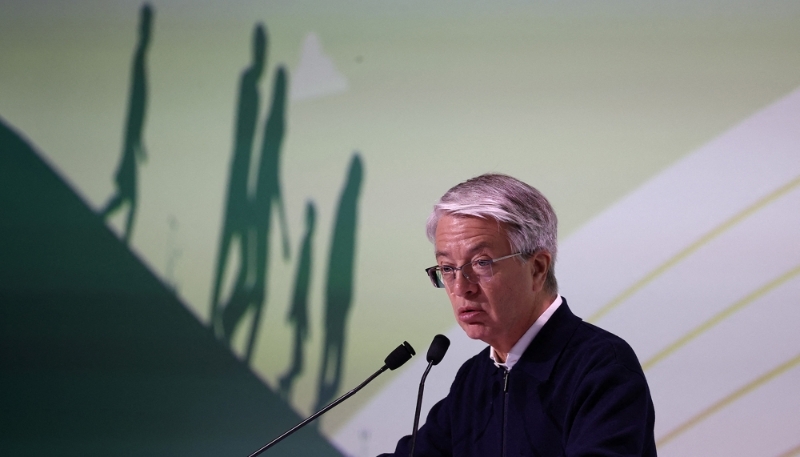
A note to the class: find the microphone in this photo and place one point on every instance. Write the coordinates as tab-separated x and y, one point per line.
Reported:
393	361
436	352
438	348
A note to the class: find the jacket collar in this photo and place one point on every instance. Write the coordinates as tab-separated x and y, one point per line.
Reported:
542	354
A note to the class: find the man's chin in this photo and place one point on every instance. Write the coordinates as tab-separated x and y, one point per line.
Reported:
475	331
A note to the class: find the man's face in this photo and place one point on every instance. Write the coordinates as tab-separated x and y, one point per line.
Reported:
499	310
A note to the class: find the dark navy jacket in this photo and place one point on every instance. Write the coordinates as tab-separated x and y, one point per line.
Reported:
578	390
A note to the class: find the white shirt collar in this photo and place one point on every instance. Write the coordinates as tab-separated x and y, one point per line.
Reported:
516	352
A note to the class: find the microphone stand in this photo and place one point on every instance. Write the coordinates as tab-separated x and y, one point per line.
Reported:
319	413
419	407
395	359
436	353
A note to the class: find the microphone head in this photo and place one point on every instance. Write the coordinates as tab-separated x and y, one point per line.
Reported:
399	356
438	348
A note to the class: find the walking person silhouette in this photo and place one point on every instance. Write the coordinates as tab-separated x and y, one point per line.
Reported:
339	287
268	191
236	224
298	313
133	149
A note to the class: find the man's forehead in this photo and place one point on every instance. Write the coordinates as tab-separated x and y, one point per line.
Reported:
468	234
471	249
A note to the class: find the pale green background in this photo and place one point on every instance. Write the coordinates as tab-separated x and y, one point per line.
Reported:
584	100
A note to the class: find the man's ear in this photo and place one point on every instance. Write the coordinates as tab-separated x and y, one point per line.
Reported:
540	264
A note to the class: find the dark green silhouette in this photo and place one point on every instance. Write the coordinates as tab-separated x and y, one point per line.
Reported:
98	357
236	224
339	288
298	313
133	148
268	191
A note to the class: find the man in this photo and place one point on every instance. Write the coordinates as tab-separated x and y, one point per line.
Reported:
549	384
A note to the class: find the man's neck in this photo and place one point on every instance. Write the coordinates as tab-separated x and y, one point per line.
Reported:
501	356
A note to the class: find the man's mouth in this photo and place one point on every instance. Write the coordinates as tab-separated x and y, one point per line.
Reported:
468	314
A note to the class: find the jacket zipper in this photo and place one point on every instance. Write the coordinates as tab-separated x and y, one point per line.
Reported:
505	412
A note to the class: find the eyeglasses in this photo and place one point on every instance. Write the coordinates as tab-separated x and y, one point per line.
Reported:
479	270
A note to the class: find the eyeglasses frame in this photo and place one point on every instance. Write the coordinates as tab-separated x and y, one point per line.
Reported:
434	277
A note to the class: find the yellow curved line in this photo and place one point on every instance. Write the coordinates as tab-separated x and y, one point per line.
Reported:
719	317
715	232
752	385
791	452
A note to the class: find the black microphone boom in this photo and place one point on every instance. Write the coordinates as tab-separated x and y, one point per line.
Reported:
393	361
436	352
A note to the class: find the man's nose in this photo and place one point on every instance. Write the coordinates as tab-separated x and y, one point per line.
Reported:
463	286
